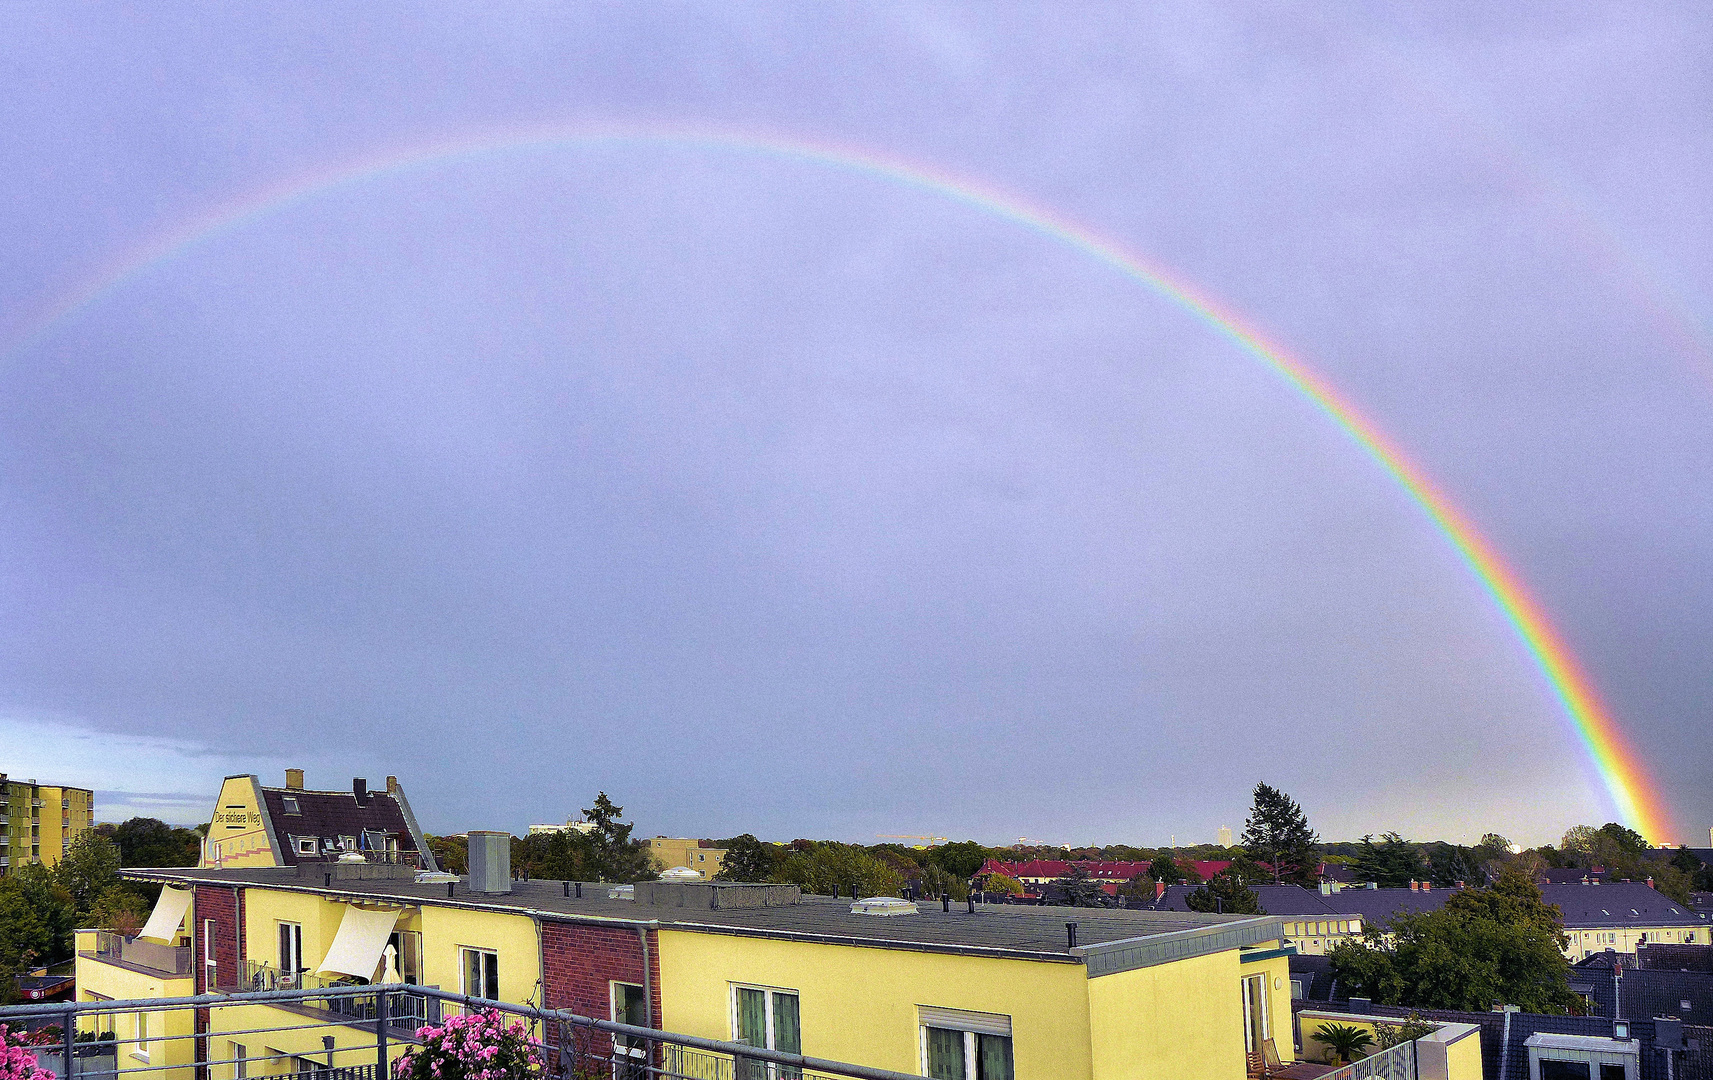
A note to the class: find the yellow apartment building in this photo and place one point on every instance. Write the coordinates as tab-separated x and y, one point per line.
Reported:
993	993
38	821
671	852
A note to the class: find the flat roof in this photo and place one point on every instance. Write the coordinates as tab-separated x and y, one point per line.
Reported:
1108	939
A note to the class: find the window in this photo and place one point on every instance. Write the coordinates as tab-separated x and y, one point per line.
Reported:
407	951
306	845
481	976
767	1018
290	802
208	967
141	1053
291	951
630	1006
240	1067
1552	1069
1611	1070
959	1045
347	843
1256	1025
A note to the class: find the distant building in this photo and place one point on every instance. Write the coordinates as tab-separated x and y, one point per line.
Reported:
38	821
1309	922
675	851
1225	836
287	826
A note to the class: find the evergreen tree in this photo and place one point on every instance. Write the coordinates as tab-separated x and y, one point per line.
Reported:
1165	868
1278	834
1225	893
1081	890
613	855
1392	863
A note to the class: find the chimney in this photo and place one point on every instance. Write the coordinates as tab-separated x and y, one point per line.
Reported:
360	788
1650	882
1326	888
1461	885
294	779
1413	885
1159	889
392	785
490	861
1426	885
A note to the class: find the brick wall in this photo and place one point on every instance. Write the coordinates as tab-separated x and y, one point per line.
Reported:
225	906
580	962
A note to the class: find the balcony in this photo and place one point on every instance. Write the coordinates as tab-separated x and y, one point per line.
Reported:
167	961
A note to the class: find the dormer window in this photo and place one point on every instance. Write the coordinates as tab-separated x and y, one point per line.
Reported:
347	843
291	806
306	845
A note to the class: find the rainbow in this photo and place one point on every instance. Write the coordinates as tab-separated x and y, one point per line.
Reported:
1633	797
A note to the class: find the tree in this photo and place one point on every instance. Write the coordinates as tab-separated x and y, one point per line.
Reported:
1001	883
937	880
451	853
1392	863
962	859
613	855
1501	944
1686	861
560	856
746	859
1449	864
89	867
37	916
1346	1041
1165	868
833	866
1278	834
1140	887
1225	893
1081	890
120	909
146	841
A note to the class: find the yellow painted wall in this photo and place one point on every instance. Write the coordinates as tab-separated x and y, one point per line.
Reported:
1463	1059
670	852
1183	1019
1584	943
859	1004
353	1044
1314	1049
237	836
446	930
98	980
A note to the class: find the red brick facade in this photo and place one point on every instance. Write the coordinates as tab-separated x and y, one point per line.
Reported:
581	962
226	908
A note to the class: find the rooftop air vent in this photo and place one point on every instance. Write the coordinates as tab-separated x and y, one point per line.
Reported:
883	905
490	861
680	873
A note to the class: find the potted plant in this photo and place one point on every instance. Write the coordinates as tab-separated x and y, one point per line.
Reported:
1346	1041
473	1046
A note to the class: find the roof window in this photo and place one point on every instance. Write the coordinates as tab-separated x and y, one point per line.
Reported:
291	804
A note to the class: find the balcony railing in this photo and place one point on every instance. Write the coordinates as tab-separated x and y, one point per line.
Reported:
171	961
1397	1063
408	1010
570	1047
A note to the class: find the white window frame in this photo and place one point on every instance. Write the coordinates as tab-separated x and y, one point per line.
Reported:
290	967
1251	1002
141	1053
308	845
210	965
240	1061
492	963
768	992
970	1024
614	999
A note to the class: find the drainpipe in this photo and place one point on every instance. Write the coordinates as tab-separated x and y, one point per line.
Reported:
1505	1046
647	974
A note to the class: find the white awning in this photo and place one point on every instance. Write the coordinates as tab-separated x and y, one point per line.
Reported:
357	946
168	916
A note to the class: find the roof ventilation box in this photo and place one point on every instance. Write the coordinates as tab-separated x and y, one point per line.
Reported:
490	862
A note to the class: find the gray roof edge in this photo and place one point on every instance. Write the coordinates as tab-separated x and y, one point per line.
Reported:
1128	954
427	856
997	952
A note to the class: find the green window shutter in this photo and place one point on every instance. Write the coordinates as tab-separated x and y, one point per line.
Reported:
945	1054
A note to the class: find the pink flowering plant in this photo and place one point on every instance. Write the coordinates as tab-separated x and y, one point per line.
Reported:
17	1063
474	1046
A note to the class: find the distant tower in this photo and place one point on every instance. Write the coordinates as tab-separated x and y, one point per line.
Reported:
1225	836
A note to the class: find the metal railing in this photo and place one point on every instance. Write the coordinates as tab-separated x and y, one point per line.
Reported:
1396	1063
170	960
571	1047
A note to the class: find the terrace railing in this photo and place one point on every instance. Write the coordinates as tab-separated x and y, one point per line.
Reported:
1397	1063
169	960
573	1047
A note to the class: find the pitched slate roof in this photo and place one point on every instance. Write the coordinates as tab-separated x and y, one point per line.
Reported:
1618	904
1288	900
328	815
1643	991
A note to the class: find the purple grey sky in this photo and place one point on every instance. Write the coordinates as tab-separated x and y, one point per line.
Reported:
773	497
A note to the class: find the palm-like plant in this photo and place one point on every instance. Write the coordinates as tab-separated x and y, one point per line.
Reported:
1345	1040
